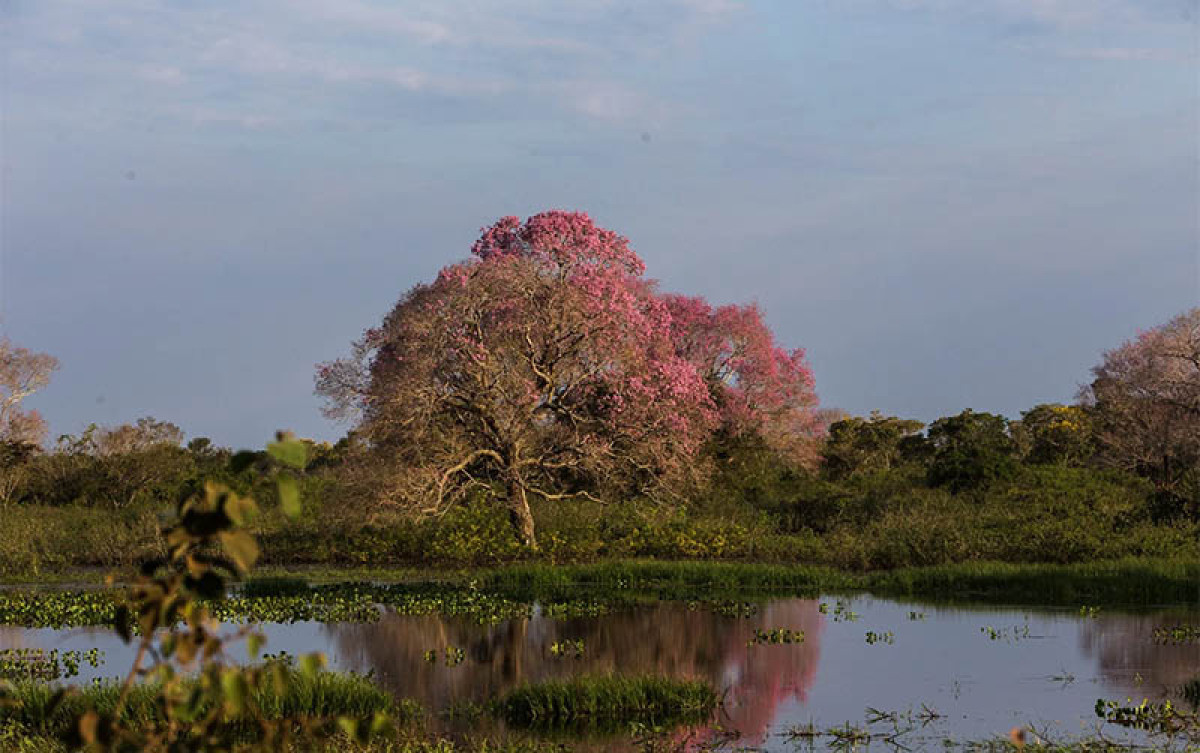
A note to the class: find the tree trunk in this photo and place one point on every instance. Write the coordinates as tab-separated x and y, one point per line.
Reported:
520	514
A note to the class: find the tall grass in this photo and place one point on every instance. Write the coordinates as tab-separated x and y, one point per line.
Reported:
651	574
1126	581
1130	581
276	585
323	695
607	701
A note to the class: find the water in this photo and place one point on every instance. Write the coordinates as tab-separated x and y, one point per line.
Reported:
943	675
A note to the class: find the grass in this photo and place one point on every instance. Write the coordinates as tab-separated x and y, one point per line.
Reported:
14	740
658	575
606	701
587	703
581	590
1130	581
325	694
276	585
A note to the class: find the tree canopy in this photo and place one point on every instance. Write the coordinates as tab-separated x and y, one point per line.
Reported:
1145	397
549	365
22	373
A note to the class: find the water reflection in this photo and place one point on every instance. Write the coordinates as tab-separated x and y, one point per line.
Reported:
14	638
668	639
1131	661
1046	666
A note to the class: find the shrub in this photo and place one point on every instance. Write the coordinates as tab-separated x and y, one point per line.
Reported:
858	445
970	450
1056	434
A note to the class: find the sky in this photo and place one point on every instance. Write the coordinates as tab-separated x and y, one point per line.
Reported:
947	203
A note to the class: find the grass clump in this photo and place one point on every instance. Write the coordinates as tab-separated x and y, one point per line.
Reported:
320	695
607	701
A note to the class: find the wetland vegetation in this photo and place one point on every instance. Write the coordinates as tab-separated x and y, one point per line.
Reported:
653	554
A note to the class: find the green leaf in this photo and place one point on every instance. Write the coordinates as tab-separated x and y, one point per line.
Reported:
290	452
89	727
380	723
310	664
289	495
351	728
148	618
279	677
254	644
235	689
240	510
121	623
8	695
241	547
208	586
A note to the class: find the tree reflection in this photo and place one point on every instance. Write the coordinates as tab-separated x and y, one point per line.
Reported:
1125	649
668	639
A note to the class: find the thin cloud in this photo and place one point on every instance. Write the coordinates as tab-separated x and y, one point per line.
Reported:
1062	15
614	103
162	74
583	55
1128	54
248	55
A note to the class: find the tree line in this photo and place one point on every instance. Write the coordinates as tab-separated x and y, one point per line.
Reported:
548	366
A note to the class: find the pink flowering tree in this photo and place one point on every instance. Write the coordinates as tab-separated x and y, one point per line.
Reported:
545	364
22	373
759	388
1145	400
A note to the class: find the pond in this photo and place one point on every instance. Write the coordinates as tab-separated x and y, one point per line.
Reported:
932	672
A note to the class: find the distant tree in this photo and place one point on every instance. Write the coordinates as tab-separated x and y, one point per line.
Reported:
116	466
545	365
15	458
857	445
970	450
22	373
144	459
146	434
203	447
1055	434
1145	398
758	387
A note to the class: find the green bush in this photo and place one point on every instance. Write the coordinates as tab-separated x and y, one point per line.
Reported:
857	445
970	450
36	539
867	521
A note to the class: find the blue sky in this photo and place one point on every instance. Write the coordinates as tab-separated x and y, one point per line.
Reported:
948	203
